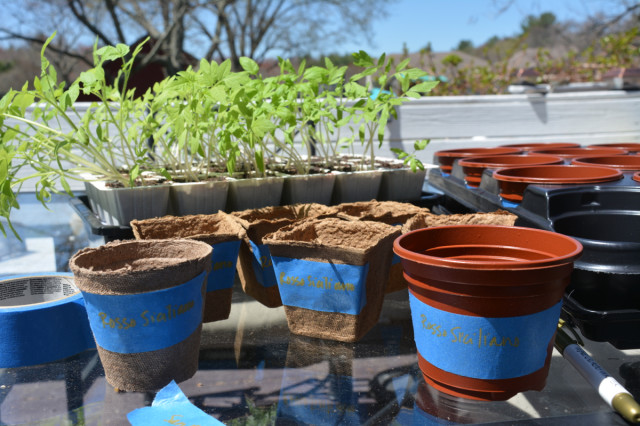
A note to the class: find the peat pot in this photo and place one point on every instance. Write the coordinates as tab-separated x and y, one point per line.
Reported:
220	231
485	302
144	301
514	180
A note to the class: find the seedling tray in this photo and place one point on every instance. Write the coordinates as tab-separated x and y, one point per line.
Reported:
603	299
93	224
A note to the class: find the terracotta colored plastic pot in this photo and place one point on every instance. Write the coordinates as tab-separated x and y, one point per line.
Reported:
446	158
473	167
631	147
514	180
620	162
527	147
636	177
571	153
485	303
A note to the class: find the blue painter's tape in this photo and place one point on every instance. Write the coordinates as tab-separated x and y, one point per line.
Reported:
223	265
508	204
483	348
42	319
143	322
306	399
171	407
320	286
263	265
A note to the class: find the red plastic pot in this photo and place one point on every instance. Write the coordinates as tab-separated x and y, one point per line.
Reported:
619	162
446	158
570	153
636	176
514	180
527	147
631	147
473	167
485	302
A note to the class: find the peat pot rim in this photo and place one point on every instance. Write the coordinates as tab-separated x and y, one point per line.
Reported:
96	261
558	174
548	248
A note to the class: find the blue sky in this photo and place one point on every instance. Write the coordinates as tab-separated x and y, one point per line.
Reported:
445	22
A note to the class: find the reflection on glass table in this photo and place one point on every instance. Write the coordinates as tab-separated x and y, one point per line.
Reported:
253	371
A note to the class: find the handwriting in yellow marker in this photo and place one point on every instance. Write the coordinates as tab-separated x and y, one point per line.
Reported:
323	283
175	420
222	265
478	338
148	317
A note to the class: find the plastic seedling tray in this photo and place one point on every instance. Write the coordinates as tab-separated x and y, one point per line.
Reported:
603	299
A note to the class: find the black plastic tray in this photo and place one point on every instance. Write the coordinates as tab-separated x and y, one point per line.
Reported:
603	299
435	201
93	224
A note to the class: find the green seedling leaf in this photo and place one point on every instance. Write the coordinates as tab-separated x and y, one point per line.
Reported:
249	65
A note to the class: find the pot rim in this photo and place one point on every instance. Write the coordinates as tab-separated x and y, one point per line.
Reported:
482	161
554	260
581	151
601	174
448	153
612	161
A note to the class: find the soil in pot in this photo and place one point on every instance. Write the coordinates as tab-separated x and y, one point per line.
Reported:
485	302
474	167
514	180
145	301
218	230
446	158
255	268
332	275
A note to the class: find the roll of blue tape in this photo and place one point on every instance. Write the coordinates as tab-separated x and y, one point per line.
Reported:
42	319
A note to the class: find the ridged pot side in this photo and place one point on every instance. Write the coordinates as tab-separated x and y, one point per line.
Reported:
485	302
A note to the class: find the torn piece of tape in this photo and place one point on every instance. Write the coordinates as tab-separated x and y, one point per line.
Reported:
42	319
171	406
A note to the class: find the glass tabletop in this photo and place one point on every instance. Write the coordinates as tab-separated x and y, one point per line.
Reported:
252	370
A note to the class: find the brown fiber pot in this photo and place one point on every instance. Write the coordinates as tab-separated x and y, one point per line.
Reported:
332	275
528	147
570	153
255	268
220	231
485	303
446	158
145	301
473	167
619	162
514	180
